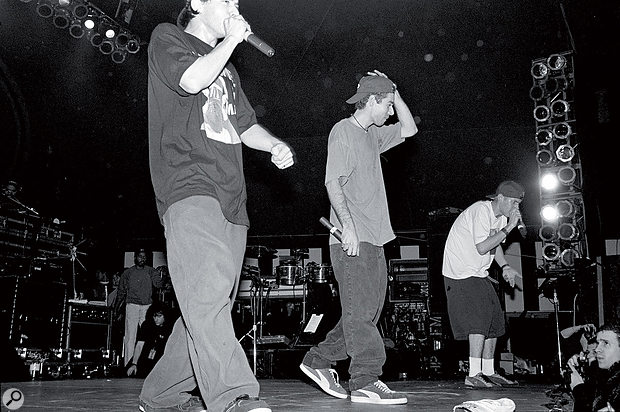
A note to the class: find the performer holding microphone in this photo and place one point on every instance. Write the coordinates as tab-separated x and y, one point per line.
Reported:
198	118
473	242
359	209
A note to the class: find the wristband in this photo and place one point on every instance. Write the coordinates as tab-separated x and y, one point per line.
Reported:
505	231
505	265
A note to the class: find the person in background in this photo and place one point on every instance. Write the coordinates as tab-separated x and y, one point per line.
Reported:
151	340
135	293
354	182
474	242
199	118
599	392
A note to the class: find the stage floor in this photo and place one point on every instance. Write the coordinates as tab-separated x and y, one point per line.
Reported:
283	395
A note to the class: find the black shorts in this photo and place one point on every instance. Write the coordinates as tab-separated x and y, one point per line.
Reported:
474	308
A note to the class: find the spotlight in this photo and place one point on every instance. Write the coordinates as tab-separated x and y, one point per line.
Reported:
133	45
556	62
121	40
537	92
541	113
565	153
551	251
76	30
547	233
544	137
44	9
562	130
89	23
118	56
567	175
568	257
544	157
80	11
61	18
539	71
95	39
565	208
567	231
106	46
559	107
549	213
549	181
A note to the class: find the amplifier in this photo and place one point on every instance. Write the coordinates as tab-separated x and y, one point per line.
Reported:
88	327
408	280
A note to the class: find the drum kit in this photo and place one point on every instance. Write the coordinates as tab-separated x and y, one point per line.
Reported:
290	274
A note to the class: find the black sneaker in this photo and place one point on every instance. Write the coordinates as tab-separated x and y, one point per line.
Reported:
479	381
500	380
246	403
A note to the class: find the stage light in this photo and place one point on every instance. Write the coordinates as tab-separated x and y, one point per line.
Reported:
118	56
549	181
565	208
61	18
106	46
567	175
568	257
549	213
547	233
562	130
537	92
551	251
121	40
567	231
75	29
95	39
565	153
544	157
556	62
542	113
539	70
45	9
544	137
133	45
89	23
559	107
80	11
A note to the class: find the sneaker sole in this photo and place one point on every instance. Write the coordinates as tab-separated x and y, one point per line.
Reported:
471	385
321	383
365	399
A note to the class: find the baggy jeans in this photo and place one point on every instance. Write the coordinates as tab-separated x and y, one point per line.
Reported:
362	284
205	255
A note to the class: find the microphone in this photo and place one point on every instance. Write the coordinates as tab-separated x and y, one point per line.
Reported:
332	229
522	228
259	44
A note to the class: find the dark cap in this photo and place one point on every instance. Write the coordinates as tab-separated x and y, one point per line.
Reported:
371	85
509	188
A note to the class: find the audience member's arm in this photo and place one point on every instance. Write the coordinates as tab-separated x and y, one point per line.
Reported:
133	369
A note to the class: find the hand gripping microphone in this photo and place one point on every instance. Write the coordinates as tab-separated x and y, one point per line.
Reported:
522	228
332	229
259	44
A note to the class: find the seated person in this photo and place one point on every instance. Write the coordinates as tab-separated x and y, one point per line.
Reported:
576	337
598	391
151	340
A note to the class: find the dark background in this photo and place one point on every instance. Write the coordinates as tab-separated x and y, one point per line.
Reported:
74	124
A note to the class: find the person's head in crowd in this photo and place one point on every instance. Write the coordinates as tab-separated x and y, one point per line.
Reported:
608	345
157	313
139	257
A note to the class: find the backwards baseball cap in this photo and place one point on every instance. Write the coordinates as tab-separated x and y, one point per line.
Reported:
371	85
509	188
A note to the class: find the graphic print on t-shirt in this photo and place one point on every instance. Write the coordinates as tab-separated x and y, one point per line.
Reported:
220	104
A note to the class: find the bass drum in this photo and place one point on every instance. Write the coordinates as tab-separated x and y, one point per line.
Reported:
323	274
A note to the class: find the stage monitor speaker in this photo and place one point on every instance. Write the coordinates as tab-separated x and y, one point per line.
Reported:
439	223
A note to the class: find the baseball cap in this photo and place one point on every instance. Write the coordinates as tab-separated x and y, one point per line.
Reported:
509	188
371	85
